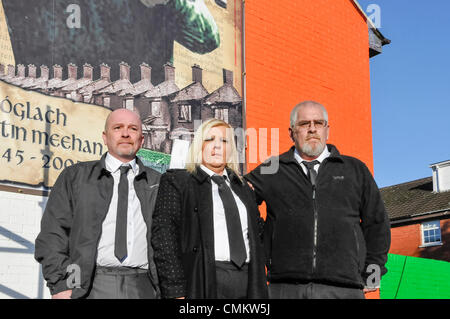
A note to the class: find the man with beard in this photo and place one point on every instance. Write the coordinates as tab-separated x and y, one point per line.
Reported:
327	232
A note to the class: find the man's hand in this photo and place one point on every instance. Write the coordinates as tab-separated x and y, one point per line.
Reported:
63	295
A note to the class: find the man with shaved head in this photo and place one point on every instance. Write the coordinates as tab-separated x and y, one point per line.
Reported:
327	232
95	231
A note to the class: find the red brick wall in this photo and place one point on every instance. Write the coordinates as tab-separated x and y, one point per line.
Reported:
309	50
406	240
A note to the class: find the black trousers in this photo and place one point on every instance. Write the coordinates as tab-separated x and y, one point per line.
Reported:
312	291
121	283
231	282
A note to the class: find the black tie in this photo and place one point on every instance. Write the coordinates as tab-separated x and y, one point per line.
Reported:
120	247
238	254
312	175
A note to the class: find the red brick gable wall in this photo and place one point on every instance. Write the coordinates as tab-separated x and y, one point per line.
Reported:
309	50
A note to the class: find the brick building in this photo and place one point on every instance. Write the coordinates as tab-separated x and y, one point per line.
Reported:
311	50
420	215
294	51
305	50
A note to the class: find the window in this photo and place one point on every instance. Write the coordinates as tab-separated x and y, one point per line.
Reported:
221	114
156	108
431	233
106	101
184	114
128	104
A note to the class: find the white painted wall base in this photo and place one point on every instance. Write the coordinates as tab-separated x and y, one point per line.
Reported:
20	274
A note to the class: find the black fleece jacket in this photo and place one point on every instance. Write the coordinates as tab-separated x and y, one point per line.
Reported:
331	238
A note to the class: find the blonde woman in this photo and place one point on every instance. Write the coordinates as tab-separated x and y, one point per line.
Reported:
206	224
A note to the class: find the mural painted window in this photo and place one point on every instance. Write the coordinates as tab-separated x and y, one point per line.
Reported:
184	113
156	108
221	114
128	104
106	101
431	233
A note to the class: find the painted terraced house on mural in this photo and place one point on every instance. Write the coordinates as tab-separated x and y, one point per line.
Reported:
167	112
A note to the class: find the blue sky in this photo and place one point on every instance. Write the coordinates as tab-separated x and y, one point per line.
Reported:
410	90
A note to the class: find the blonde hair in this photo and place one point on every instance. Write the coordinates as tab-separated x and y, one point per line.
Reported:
195	155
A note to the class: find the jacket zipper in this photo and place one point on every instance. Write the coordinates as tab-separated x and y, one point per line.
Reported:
315	229
357	249
269	268
316	218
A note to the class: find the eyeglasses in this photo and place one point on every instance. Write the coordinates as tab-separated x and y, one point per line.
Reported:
318	124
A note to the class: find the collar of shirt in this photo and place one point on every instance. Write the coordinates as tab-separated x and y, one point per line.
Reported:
113	164
325	153
211	173
136	228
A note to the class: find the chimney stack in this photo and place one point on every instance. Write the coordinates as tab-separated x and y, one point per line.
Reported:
227	77
72	71
169	72
11	70
105	72
124	71
87	71
21	70
31	71
57	72
146	71
441	176
44	72
196	73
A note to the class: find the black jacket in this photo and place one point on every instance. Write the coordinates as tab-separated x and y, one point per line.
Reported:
72	222
331	239
183	236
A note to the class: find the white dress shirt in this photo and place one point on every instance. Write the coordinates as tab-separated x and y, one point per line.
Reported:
136	228
221	245
325	153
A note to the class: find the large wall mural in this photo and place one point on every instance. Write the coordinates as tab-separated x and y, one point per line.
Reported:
65	64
